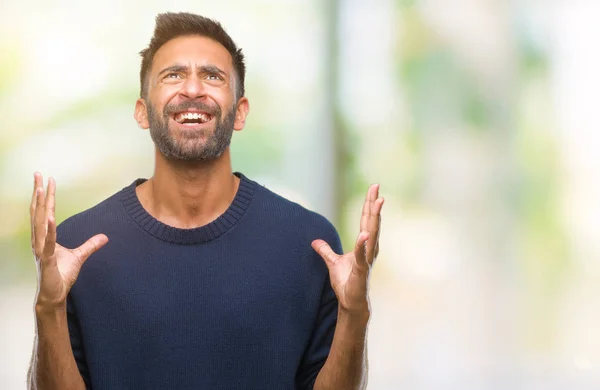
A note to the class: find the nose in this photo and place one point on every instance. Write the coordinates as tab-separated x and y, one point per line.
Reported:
193	88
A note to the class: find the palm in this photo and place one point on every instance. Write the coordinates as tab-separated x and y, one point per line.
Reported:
349	273
68	264
343	268
348	281
67	269
58	267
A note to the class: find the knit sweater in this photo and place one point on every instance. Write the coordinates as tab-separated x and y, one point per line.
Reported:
243	302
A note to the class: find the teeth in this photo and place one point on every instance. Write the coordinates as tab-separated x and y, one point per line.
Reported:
191	115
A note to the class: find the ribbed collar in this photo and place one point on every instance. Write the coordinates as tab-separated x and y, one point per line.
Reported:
198	235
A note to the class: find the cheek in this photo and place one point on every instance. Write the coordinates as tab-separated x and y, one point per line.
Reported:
222	94
164	95
227	103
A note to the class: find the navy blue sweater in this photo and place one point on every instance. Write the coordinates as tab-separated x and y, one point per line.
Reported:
243	302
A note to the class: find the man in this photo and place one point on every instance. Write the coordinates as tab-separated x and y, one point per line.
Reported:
197	278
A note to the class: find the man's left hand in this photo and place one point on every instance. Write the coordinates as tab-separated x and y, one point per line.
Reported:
349	273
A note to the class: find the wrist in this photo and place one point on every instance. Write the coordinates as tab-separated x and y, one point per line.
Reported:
358	308
50	303
355	315
49	310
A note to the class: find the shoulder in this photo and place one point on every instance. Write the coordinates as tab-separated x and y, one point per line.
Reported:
99	218
277	212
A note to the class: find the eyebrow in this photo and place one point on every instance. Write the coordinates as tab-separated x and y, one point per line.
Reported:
211	69
185	69
174	68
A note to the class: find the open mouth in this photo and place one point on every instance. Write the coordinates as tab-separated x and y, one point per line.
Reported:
191	117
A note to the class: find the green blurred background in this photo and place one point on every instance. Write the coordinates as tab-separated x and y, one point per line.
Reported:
476	116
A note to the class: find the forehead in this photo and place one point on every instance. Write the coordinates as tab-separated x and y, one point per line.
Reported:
193	50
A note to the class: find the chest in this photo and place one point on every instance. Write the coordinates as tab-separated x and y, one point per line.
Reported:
196	296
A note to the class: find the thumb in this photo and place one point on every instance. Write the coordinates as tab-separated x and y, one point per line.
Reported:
325	251
90	246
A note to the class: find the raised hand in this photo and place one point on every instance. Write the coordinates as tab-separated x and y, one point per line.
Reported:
58	267
349	273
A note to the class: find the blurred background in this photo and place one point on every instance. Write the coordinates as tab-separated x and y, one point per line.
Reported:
476	116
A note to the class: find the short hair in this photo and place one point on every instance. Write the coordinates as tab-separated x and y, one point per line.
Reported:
171	25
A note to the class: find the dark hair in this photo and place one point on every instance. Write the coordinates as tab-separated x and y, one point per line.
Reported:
171	25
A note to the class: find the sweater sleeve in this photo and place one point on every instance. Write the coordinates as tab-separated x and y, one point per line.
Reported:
319	344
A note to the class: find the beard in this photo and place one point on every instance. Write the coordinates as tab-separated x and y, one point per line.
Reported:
191	147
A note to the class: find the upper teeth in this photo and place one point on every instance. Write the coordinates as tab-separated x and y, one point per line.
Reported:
191	115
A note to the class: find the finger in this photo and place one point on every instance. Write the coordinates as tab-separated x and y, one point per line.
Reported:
50	195
366	210
89	247
360	248
376	250
325	251
50	242
367	213
373	227
39	223
37	182
372	193
370	223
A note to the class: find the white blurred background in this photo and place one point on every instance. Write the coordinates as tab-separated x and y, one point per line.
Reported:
476	116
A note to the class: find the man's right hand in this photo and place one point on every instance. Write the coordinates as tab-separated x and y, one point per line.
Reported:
58	267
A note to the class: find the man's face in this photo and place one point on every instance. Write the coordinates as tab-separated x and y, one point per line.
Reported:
190	105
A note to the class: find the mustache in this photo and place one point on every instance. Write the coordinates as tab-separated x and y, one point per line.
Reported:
173	108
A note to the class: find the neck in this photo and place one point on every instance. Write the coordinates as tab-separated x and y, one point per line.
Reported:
189	194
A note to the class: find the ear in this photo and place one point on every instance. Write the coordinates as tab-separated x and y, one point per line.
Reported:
141	114
243	106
